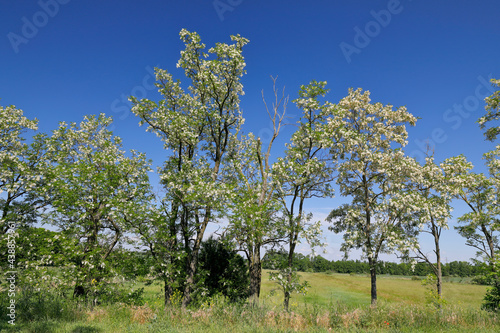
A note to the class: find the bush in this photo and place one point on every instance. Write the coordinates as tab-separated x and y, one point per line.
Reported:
222	271
33	304
492	299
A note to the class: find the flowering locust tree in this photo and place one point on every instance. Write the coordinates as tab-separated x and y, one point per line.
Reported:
431	196
303	173
20	170
93	189
480	194
372	170
492	113
197	127
253	207
253	220
481	224
492	298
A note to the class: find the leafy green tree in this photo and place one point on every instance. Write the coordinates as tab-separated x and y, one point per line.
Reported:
373	171
21	169
492	113
273	258
32	244
197	127
479	226
289	281
321	264
94	188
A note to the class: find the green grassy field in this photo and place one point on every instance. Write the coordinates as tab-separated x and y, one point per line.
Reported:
355	290
334	303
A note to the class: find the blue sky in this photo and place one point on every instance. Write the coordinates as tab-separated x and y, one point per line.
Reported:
61	60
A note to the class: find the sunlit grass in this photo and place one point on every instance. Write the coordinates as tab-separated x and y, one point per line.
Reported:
354	290
335	302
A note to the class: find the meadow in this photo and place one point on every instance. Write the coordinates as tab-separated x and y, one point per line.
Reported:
334	303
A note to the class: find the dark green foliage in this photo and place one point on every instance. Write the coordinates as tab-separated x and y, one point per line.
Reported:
222	271
33	243
321	264
491	301
483	274
114	294
492	298
131	264
276	259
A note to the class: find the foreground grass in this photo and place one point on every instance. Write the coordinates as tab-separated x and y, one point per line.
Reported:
336	302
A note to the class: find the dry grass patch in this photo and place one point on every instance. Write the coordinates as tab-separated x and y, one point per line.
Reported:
141	314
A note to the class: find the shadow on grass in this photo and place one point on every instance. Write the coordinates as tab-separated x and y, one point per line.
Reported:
85	329
45	327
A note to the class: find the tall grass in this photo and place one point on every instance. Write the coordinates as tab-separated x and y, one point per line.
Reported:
336	303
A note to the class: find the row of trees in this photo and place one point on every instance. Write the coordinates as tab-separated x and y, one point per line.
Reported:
80	180
303	263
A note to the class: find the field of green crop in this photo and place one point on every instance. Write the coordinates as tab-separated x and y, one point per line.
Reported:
334	303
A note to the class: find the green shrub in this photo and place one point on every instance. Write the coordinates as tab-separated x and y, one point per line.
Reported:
34	304
222	271
492	299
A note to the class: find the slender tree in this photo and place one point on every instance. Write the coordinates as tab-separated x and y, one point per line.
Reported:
372	170
303	173
254	222
433	197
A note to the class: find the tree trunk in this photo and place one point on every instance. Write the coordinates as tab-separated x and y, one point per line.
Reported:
193	259
191	271
291	251
373	275
255	268
439	275
167	291
286	300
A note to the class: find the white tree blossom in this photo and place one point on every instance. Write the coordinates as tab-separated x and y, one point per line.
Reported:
303	173
20	169
373	171
197	127
93	188
492	113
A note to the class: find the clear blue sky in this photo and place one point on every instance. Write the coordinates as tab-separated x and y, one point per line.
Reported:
61	60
